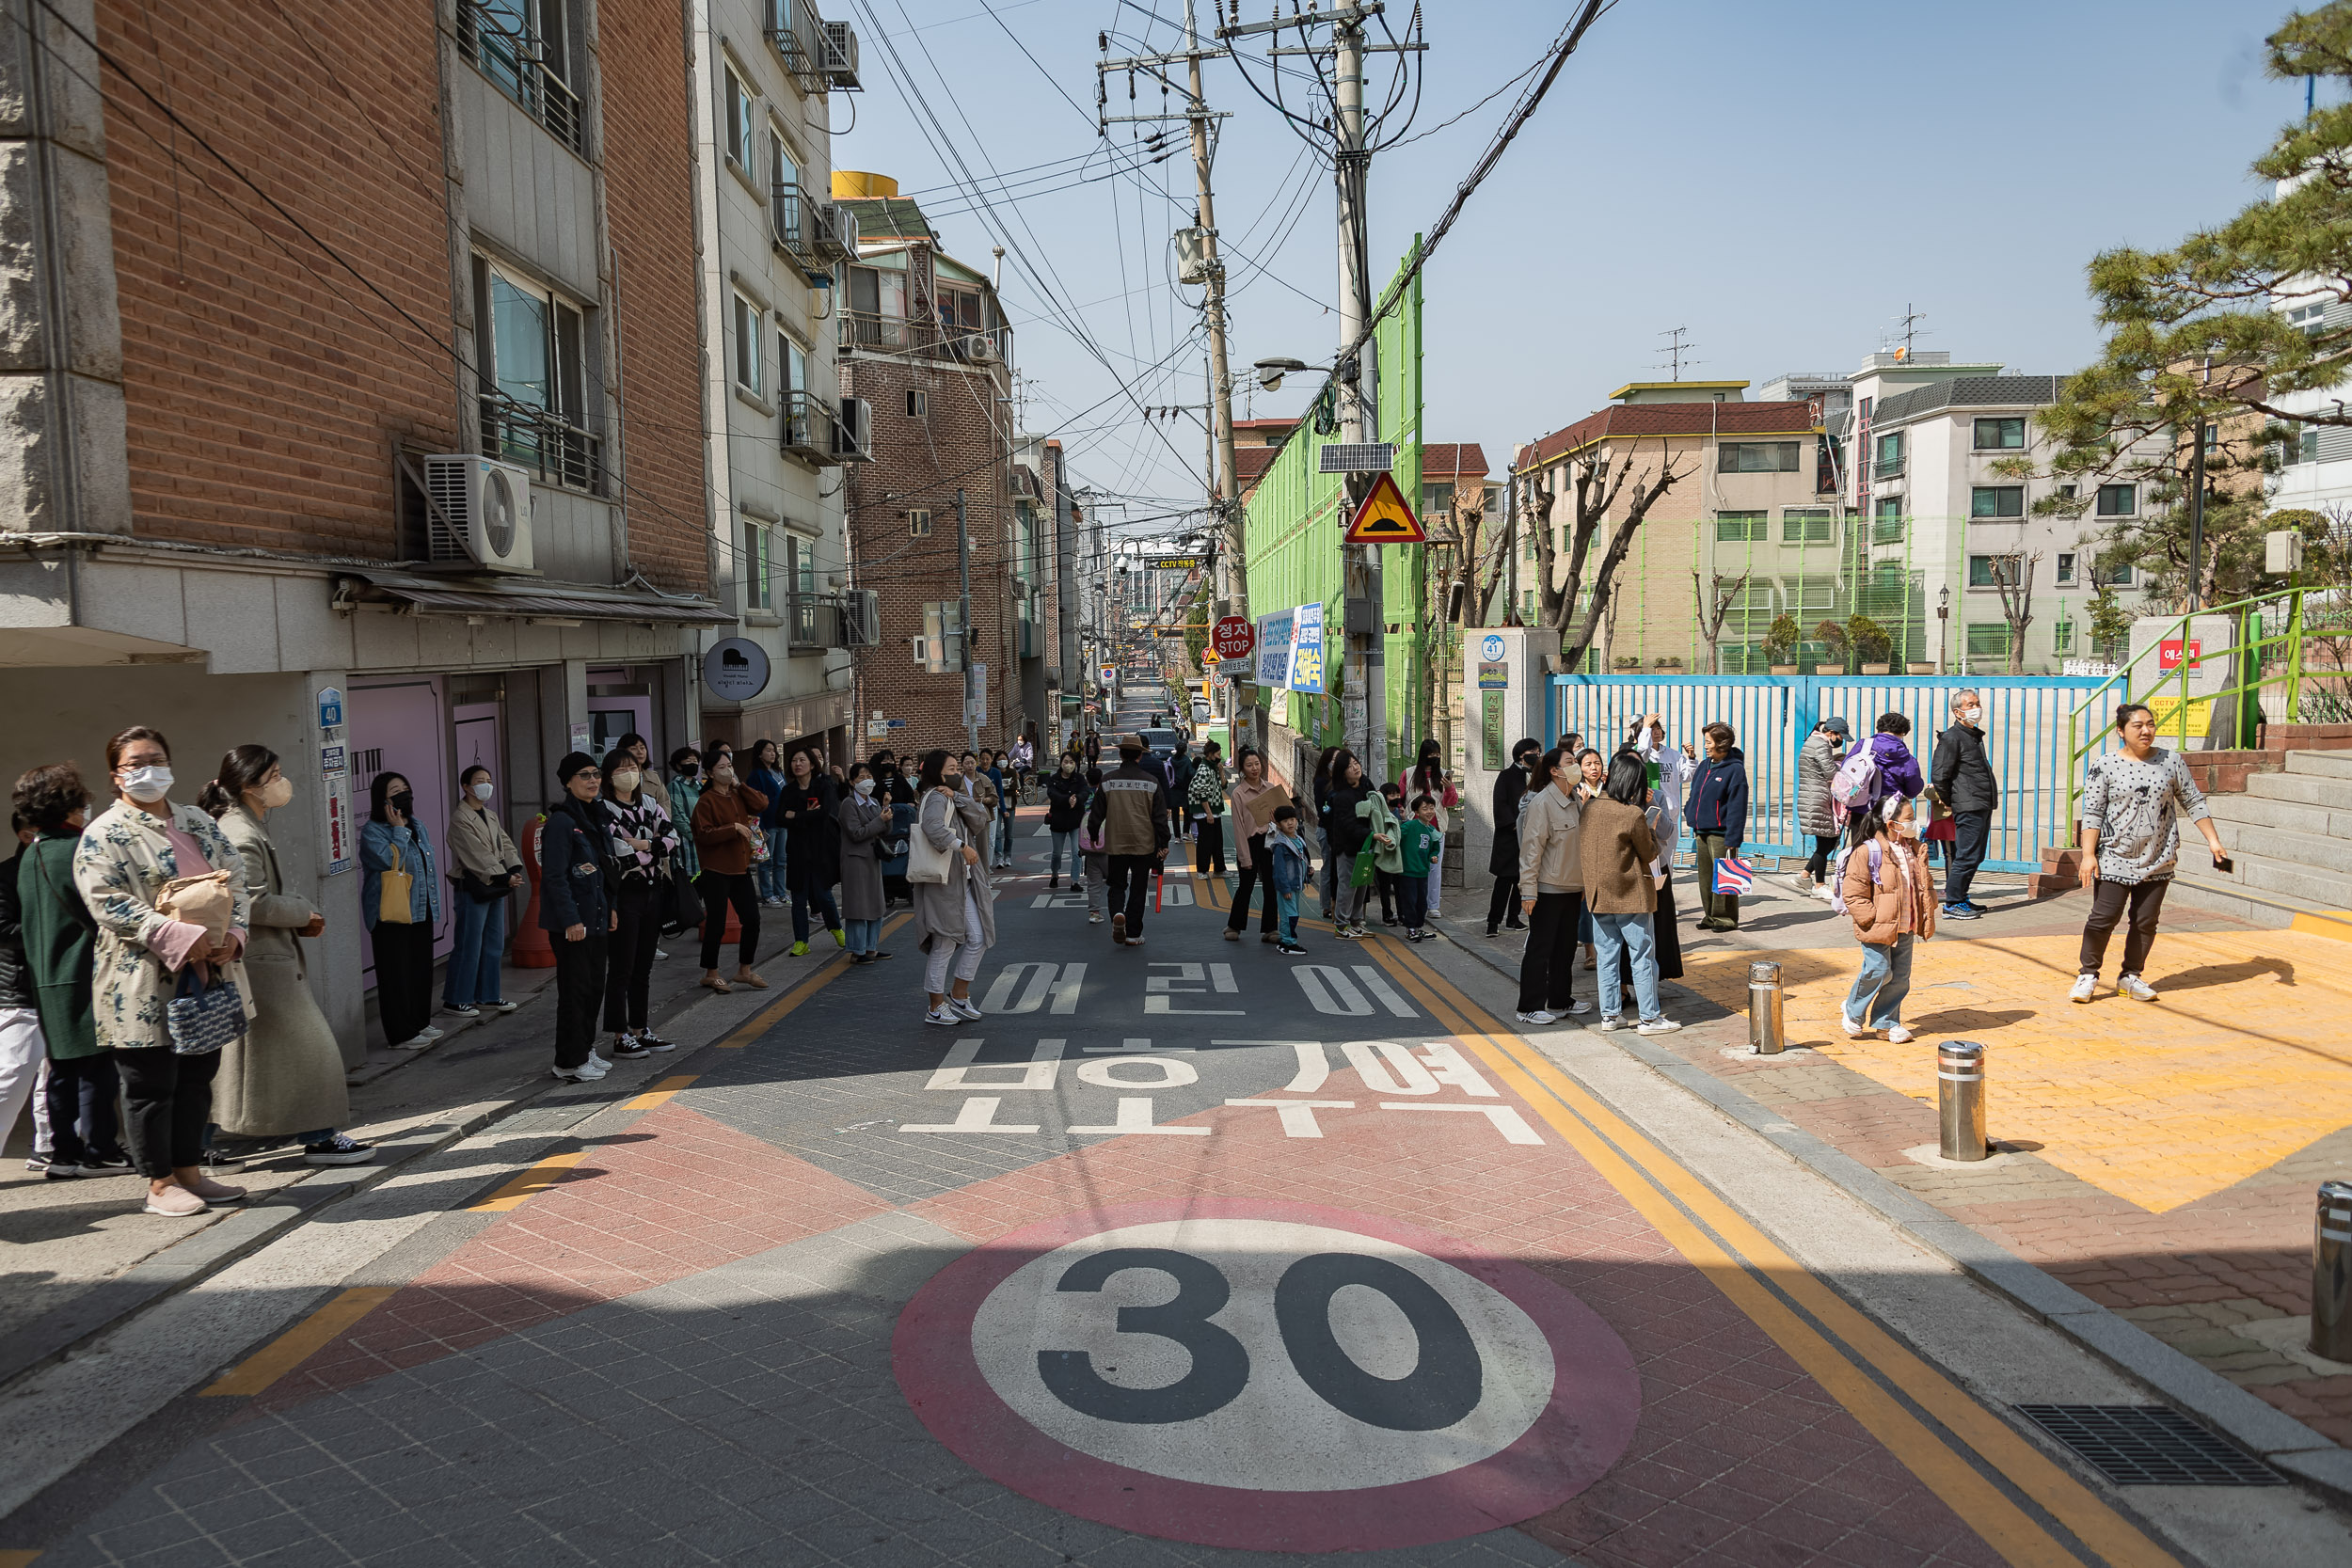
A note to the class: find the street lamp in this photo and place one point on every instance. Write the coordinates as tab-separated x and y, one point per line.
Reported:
1943	626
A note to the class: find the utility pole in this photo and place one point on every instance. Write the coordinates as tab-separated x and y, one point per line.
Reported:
1232	595
964	618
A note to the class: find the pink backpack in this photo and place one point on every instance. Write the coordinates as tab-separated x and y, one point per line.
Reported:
1855	785
1837	875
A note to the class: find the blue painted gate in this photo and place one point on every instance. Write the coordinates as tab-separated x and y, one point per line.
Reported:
2024	725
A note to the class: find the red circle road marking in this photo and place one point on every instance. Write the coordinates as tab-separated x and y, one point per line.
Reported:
1579	1433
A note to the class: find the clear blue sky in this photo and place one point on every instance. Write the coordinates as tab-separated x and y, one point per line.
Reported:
1781	180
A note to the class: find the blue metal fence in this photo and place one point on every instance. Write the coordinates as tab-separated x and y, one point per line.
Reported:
2024	725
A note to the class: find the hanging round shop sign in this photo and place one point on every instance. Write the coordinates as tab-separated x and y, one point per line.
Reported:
736	670
1266	1376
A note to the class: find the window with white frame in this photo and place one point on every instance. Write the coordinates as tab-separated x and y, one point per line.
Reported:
1992	570
2117	500
2001	434
2308	317
2066	568
1996	500
742	118
759	590
1757	457
919	524
531	348
918	405
748	332
1804	525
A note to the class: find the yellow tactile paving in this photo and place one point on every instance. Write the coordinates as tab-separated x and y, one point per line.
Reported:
2247	1057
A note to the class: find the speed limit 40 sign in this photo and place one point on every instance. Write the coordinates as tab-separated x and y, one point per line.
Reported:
1266	1376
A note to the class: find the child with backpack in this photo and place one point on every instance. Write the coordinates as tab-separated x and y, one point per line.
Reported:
1884	886
1097	859
1290	864
1419	841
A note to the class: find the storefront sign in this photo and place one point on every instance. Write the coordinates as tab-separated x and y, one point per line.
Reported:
2170	652
736	670
579	738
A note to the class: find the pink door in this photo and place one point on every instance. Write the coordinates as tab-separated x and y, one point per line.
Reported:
397	727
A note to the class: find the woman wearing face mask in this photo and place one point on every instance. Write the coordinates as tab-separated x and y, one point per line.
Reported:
1890	895
686	793
808	810
285	1076
643	840
121	867
864	818
726	819
394	840
1253	815
764	773
489	868
1065	809
577	877
959	916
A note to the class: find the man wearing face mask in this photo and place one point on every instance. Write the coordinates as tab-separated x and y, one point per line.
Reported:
1962	775
576	880
489	868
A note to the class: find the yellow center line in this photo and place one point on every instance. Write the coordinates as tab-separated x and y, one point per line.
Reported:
826	974
1744	1260
529	1185
662	1093
288	1350
17	1559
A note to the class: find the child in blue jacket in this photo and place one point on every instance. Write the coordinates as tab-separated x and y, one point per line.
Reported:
1289	871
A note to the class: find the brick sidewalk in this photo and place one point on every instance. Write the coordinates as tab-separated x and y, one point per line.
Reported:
2159	1158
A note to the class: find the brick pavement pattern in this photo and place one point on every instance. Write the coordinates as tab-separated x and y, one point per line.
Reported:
2165	1154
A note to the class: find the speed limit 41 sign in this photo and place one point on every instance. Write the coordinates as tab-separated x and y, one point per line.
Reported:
1232	637
1266	1376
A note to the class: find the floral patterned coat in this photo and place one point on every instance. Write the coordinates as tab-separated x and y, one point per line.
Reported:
121	867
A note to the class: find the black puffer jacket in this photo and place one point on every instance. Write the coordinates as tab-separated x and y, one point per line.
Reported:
1509	788
1962	773
16	980
1065	800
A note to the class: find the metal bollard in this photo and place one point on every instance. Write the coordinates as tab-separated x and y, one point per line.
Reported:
2331	1273
1768	1036
1960	1099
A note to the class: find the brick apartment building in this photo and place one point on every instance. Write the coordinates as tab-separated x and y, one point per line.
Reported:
925	345
355	401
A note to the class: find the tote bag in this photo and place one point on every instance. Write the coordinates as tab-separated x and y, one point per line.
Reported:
926	862
1733	876
394	907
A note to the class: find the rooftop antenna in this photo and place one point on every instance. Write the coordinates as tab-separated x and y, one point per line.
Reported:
1908	324
1678	350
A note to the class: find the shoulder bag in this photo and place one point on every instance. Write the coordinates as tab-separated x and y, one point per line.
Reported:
394	907
926	862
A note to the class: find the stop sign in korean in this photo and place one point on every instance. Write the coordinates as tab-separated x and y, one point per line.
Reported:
1233	637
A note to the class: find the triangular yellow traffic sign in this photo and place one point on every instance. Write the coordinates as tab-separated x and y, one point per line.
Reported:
1384	518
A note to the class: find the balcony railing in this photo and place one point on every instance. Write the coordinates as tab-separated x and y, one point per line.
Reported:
555	450
873	329
813	621
797	35
808	428
792	219
1887	530
515	58
1887	468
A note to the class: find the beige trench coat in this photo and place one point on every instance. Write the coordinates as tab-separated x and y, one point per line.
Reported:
286	1075
120	864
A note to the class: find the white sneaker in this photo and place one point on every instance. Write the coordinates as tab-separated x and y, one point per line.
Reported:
1854	1031
1610	1023
2084	986
964	1008
659	955
1539	1017
501	1006
1897	1035
1094	918
1656	1026
604	1062
414	1042
587	1072
1820	891
945	1017
428	1033
1579	1006
2135	988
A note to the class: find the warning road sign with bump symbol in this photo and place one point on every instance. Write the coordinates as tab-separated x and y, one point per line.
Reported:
1384	518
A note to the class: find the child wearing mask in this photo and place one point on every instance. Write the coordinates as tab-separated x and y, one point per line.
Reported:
1419	841
1889	894
1291	864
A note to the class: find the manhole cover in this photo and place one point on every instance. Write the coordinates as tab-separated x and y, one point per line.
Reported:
2149	1445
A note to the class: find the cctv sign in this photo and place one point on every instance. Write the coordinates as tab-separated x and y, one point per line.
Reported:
736	670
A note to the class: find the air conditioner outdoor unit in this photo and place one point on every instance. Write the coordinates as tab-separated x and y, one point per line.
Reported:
836	56
861	619
830	241
980	348
482	511
853	432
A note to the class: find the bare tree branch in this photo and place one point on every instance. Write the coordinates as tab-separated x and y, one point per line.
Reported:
1714	605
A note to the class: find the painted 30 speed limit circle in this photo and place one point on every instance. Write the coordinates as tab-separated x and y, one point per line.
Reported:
1266	1376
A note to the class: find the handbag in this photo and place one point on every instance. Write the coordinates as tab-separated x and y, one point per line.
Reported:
926	862
393	905
201	1018
1367	870
681	902
1733	876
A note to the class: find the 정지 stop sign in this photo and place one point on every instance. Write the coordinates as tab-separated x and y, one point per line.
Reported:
1233	637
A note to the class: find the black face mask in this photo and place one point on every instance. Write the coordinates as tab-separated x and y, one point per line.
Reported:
403	802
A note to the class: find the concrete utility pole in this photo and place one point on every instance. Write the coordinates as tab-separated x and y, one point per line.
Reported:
1233	596
964	617
1359	417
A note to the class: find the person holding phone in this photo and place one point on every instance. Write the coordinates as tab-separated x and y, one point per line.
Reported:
2132	811
489	868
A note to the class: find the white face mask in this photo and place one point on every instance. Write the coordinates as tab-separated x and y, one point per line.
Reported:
625	780
866	787
146	784
483	789
1970	714
277	792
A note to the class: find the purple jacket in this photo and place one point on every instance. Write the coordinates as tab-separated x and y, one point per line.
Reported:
1898	770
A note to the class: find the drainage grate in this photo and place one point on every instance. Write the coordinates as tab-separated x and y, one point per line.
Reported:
2149	1445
